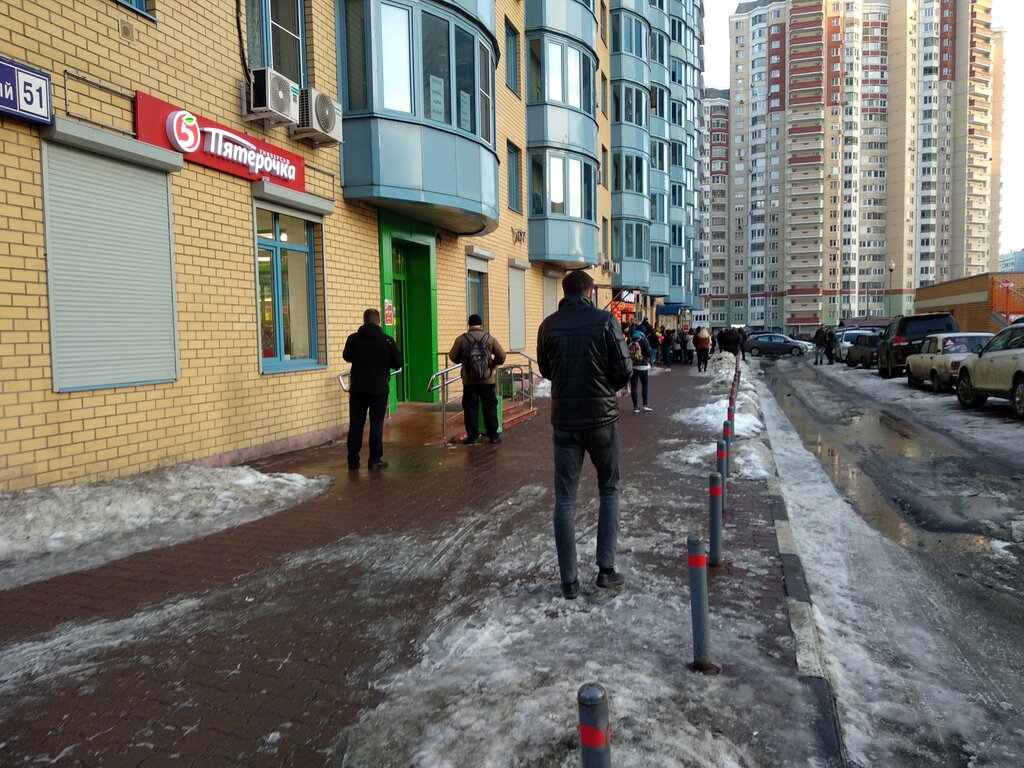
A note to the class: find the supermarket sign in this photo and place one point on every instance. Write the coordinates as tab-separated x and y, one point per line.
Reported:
216	146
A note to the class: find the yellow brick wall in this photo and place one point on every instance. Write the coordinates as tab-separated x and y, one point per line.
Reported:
221	405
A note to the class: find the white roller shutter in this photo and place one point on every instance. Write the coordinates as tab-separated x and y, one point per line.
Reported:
516	309
110	271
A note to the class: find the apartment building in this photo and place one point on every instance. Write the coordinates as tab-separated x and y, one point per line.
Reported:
863	150
199	201
656	65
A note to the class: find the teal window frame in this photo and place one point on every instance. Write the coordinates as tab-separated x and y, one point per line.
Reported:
261	30
476	293
139	6
512	58
276	246
513	174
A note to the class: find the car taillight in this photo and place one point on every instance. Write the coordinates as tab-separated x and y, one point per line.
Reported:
874	355
900	340
954	366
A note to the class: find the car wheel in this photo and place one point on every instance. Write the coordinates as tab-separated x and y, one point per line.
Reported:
1018	397
966	394
754	351
884	372
850	362
936	384
911	381
796	351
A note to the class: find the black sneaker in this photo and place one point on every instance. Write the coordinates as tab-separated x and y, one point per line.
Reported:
608	578
467	440
569	591
495	440
377	465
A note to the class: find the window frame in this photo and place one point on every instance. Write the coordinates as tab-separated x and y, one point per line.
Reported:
266	27
277	363
512	58
513	177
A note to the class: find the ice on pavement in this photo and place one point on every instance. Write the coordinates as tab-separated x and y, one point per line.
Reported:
60	529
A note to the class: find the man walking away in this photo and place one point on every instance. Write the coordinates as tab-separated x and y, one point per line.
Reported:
480	355
373	355
581	350
819	345
830	345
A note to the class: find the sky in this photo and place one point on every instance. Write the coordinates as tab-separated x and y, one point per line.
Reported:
1007	14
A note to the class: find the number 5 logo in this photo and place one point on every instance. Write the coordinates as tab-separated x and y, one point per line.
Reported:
183	131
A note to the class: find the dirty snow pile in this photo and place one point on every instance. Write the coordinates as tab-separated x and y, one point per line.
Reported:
89	524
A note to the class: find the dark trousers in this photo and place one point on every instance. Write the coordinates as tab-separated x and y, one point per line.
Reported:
602	443
473	395
702	359
639	381
358	405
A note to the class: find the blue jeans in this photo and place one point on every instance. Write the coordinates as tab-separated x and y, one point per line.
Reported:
602	443
819	355
638	377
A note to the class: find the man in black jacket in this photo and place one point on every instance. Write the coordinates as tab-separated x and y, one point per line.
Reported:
373	355
582	351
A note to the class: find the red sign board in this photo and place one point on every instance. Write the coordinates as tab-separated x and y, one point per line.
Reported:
215	146
1006	284
389	312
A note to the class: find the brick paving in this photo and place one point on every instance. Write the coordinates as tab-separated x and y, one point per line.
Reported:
243	648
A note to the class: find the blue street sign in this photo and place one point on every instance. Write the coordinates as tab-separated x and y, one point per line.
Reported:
25	92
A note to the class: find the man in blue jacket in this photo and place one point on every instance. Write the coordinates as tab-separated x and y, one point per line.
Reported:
373	355
582	351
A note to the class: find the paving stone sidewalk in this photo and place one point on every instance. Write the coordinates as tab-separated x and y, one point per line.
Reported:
263	644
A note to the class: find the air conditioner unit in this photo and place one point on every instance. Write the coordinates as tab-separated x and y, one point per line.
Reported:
616	268
272	98
319	118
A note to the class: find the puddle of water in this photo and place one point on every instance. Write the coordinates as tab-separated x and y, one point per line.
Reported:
876	432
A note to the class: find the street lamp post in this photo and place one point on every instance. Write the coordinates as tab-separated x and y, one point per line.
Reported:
892	267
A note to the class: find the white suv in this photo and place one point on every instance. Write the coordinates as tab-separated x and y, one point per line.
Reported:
996	370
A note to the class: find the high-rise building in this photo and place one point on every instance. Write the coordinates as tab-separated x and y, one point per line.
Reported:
864	150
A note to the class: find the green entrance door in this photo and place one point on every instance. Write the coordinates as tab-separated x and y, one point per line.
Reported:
414	322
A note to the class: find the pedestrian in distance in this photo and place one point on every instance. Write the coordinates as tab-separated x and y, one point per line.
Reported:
581	350
743	343
373	355
667	341
702	342
689	348
830	345
480	355
640	356
819	340
677	347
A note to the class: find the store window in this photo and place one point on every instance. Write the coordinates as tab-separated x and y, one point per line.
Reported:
275	34
290	300
476	292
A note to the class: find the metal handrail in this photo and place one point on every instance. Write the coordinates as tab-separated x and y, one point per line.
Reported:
441	381
344	375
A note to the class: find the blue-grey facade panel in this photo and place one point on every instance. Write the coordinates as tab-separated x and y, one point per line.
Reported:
631	69
481	10
632	274
659	127
639	7
659	75
432	175
658	285
567	17
630	205
659	232
549	125
566	243
631	137
659	181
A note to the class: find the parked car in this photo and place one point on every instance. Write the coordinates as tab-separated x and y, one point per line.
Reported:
864	350
903	336
774	344
995	370
845	338
938	361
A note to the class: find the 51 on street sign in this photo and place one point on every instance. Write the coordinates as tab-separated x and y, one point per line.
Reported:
25	92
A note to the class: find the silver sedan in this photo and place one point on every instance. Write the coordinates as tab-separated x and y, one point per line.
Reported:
939	359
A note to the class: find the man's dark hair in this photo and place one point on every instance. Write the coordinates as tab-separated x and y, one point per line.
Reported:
371	315
577	283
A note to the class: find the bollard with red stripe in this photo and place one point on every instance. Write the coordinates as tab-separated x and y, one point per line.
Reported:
716	493
727	437
722	467
697	561
595	728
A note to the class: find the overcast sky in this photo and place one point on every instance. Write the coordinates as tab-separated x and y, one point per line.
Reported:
1008	14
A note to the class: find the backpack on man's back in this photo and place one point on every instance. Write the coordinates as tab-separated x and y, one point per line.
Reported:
478	358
